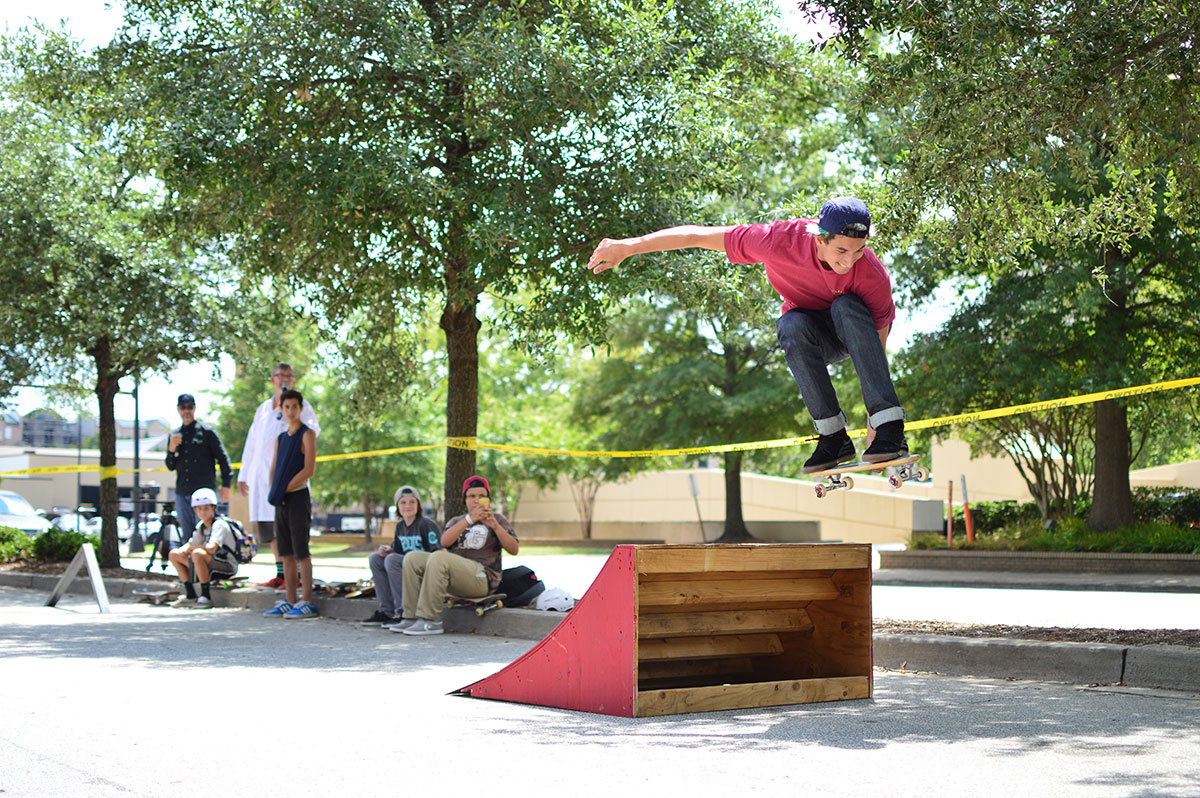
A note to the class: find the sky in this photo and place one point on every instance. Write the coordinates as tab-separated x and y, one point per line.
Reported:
94	21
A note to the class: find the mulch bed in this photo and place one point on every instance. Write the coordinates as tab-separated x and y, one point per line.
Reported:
56	568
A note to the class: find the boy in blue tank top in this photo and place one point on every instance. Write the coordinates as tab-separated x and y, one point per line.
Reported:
294	462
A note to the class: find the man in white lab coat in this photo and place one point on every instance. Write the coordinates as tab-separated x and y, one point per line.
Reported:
254	477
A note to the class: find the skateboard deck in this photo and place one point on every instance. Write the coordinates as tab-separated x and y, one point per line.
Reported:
147	595
365	589
232	582
333	588
899	471
492	601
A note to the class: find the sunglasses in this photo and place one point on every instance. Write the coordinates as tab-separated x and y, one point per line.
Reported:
187	407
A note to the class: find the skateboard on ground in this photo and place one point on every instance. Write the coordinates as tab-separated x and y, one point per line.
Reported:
333	588
232	582
492	601
364	589
150	595
899	471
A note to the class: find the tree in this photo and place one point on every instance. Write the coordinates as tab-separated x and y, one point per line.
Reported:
379	155
84	283
681	378
1029	126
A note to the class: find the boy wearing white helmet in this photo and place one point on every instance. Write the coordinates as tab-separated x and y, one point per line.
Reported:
210	552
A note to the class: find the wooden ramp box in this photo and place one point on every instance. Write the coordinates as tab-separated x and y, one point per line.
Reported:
671	629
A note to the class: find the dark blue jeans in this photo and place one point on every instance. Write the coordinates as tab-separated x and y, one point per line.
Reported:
186	515
812	339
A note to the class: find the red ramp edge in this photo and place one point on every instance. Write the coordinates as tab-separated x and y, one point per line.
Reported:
589	661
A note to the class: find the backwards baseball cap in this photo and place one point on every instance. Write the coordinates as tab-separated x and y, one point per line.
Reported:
476	482
186	399
204	496
406	490
845	216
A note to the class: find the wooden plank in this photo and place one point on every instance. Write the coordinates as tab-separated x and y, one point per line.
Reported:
752	557
651	703
717	576
693	668
842	629
710	647
733	593
722	622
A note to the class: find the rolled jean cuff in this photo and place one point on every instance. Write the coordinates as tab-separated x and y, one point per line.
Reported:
886	415
828	426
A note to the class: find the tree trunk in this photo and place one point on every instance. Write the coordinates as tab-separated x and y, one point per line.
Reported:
368	515
1112	498
461	327
735	528
106	391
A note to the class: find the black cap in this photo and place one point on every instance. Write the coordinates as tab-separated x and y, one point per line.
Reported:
186	399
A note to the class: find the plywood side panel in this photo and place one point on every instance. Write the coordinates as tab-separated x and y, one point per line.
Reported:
733	593
710	647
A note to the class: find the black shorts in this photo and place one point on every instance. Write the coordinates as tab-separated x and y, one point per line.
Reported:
293	519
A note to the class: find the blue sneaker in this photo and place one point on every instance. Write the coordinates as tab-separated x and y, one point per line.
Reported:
280	609
302	610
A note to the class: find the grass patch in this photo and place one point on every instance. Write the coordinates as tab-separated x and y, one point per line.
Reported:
1073	534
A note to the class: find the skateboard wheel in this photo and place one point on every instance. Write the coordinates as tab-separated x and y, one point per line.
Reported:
499	605
922	475
849	483
479	611
820	491
895	481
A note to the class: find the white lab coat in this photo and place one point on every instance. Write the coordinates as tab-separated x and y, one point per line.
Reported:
255	470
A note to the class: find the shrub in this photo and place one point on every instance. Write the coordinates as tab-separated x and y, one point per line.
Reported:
60	544
990	517
1178	506
14	544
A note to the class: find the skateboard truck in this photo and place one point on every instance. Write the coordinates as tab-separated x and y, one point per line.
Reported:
898	472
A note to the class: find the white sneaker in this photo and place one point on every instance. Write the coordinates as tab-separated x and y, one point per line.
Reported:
401	625
203	603
424	627
184	602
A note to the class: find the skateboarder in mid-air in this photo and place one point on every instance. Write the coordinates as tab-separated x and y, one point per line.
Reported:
837	303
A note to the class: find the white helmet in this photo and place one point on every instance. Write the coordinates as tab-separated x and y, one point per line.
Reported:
204	496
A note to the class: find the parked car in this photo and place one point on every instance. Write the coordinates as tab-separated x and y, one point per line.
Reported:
91	526
19	514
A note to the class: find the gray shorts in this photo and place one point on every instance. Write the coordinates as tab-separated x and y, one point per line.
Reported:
264	531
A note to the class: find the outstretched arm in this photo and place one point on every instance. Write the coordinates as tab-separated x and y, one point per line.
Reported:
612	251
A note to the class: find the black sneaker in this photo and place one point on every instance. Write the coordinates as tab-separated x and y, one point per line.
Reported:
831	450
379	617
889	443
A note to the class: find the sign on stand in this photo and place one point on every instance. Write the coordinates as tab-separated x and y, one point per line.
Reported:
85	554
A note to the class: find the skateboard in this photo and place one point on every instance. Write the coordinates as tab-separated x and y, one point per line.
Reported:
149	595
333	588
492	601
365	589
900	470
232	582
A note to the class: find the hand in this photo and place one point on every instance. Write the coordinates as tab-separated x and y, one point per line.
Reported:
608	254
243	489
174	441
224	494
384	551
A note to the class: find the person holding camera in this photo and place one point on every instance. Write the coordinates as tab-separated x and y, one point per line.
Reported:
194	450
469	566
254	476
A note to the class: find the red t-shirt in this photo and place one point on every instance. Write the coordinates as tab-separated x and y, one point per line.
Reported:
789	253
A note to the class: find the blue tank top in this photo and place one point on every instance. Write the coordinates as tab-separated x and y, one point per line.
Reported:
289	461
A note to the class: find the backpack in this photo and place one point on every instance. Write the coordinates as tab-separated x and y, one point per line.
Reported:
520	585
245	547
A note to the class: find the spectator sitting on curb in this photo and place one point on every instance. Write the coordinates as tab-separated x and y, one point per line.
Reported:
414	532
469	566
210	552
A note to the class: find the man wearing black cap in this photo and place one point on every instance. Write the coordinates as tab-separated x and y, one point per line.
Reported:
193	451
837	303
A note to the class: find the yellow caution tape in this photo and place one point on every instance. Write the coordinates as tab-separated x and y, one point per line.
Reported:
474	444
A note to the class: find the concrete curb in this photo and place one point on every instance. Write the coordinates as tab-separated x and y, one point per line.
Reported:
1163	667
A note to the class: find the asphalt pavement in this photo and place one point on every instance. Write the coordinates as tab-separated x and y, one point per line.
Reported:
151	701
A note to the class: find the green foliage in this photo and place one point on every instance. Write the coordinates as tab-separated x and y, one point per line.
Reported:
14	544
55	545
993	517
1073	534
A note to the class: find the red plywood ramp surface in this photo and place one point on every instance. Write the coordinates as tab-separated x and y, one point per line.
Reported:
699	628
589	661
